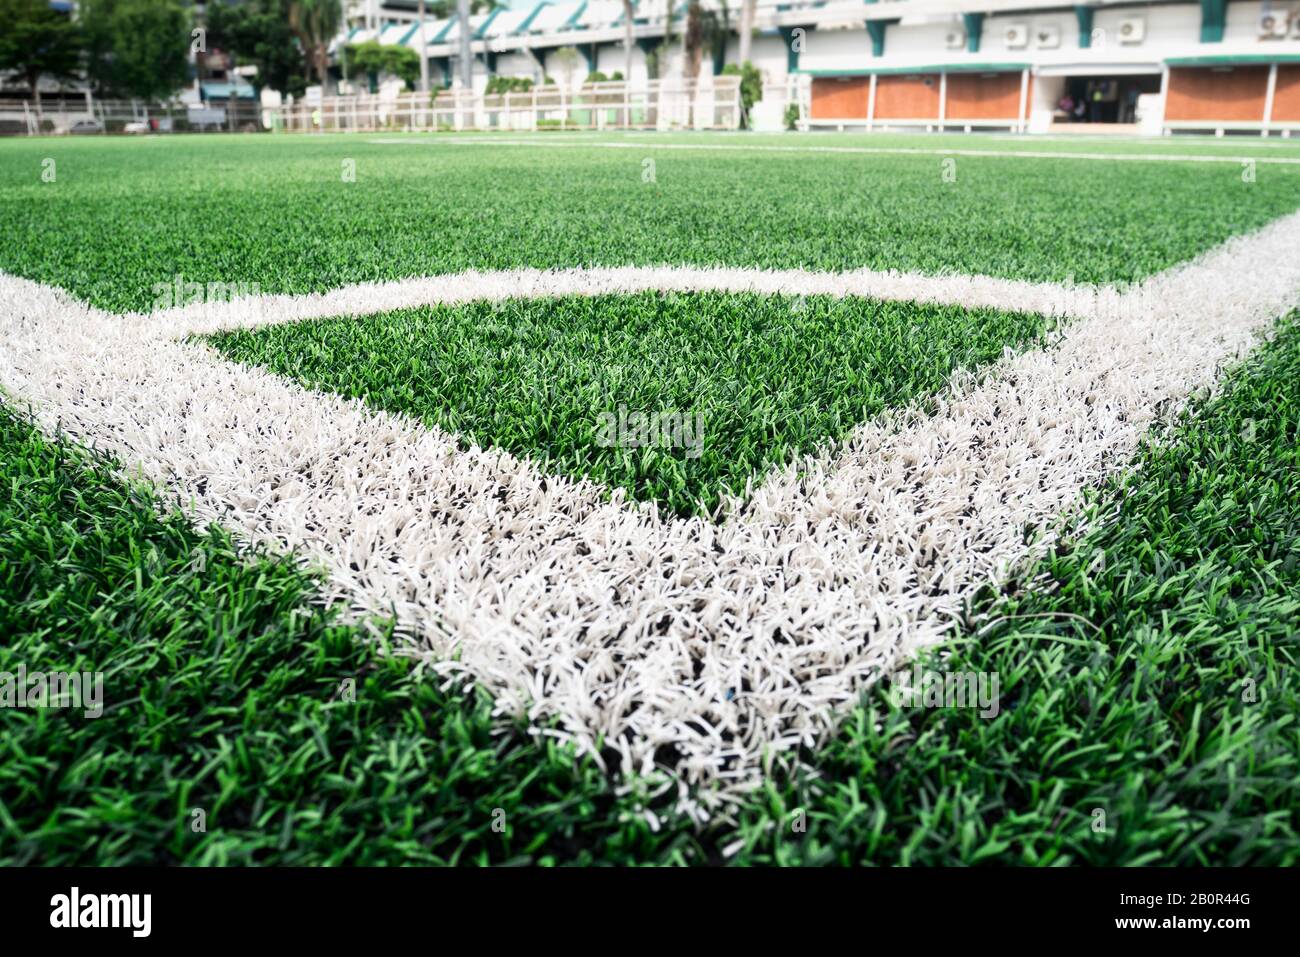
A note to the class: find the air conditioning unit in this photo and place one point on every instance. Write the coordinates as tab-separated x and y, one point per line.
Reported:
954	39
1047	37
1274	23
1016	36
1132	30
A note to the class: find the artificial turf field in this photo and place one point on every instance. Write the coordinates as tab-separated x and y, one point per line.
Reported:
1122	679
125	215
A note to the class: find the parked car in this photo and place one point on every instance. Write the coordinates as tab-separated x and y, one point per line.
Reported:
86	126
136	126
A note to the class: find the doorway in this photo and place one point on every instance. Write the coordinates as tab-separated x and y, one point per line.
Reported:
1104	99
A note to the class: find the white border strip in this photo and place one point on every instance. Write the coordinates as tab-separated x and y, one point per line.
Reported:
374	298
735	643
858	150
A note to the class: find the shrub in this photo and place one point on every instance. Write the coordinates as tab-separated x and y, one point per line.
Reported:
751	83
508	84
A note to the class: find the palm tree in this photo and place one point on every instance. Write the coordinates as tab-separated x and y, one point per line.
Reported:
705	30
629	18
567	60
748	9
424	51
315	23
466	64
661	51
693	40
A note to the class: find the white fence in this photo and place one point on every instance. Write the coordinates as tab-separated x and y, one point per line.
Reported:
707	103
85	115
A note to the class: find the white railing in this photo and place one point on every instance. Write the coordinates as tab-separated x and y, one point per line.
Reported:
706	103
81	115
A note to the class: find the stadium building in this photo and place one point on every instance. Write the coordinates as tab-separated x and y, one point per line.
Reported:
1105	66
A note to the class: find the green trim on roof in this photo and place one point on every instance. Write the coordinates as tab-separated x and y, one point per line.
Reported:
528	20
1084	15
619	21
451	22
791	54
876	30
1229	59
482	27
573	20
926	68
408	34
352	33
1214	17
974	23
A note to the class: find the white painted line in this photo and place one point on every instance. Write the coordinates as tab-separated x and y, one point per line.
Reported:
733	644
372	298
859	150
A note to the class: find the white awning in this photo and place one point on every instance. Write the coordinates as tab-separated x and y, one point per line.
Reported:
1099	69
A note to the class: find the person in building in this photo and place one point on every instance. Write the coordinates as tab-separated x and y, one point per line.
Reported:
1129	113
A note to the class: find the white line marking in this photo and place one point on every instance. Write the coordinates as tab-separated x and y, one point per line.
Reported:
863	150
732	643
372	298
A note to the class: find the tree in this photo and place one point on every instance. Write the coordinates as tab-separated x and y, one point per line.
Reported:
138	47
693	39
567	59
36	41
706	30
657	60
257	32
96	18
462	31
424	49
751	86
748	9
315	23
442	9
715	28
629	23
463	9
373	58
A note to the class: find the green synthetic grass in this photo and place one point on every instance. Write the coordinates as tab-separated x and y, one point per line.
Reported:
1123	683
223	691
125	215
731	384
1148	670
